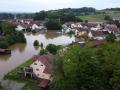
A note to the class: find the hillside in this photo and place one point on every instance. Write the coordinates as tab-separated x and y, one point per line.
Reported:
93	18
99	17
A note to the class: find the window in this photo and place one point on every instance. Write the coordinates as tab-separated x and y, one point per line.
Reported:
35	63
37	69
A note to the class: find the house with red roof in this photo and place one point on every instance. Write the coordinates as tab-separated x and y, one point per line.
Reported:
96	43
43	69
43	66
112	28
38	25
97	35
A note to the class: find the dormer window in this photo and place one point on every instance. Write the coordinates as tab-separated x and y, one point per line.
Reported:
35	63
41	65
37	69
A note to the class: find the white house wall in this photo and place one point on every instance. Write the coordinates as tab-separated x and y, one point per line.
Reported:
38	69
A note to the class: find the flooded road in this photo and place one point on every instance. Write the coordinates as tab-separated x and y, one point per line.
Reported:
22	52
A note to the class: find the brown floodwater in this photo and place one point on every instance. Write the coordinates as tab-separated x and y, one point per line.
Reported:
22	52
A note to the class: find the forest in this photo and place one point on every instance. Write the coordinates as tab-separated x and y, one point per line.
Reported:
8	35
88	68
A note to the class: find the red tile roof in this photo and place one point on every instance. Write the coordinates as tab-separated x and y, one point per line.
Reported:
113	28
97	33
47	60
44	83
97	43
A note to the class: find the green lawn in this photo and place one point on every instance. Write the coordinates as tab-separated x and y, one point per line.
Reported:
29	84
93	18
99	17
113	13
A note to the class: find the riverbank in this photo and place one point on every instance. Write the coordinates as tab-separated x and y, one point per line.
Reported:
30	84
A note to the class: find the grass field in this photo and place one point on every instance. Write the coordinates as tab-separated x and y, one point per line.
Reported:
113	13
98	17
93	18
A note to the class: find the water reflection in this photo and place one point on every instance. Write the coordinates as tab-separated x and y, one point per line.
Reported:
19	47
36	47
22	52
51	35
4	57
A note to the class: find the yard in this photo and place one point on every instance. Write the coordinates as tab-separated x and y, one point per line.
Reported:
30	84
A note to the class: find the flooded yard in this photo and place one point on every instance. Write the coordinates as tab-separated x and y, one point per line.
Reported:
22	52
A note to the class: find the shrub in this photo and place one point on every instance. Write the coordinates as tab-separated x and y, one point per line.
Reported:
71	33
3	44
53	25
107	17
53	48
111	38
43	51
36	43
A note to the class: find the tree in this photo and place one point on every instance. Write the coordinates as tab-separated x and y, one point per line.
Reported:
107	17
68	17
36	43
10	36
40	16
86	21
53	25
8	28
78	19
88	68
43	51
20	37
4	44
52	48
111	38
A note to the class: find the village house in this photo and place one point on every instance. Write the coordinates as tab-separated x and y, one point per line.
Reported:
116	18
38	25
23	21
112	28
94	25
76	25
43	66
96	43
97	35
19	28
98	27
43	69
80	32
65	28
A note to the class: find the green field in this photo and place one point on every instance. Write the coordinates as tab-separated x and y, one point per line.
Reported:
113	13
98	17
93	18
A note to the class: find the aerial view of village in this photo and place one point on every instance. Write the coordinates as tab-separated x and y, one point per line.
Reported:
60	45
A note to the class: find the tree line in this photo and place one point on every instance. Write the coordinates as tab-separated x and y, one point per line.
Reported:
87	68
113	9
9	36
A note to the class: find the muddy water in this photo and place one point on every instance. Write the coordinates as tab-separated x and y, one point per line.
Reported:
22	52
